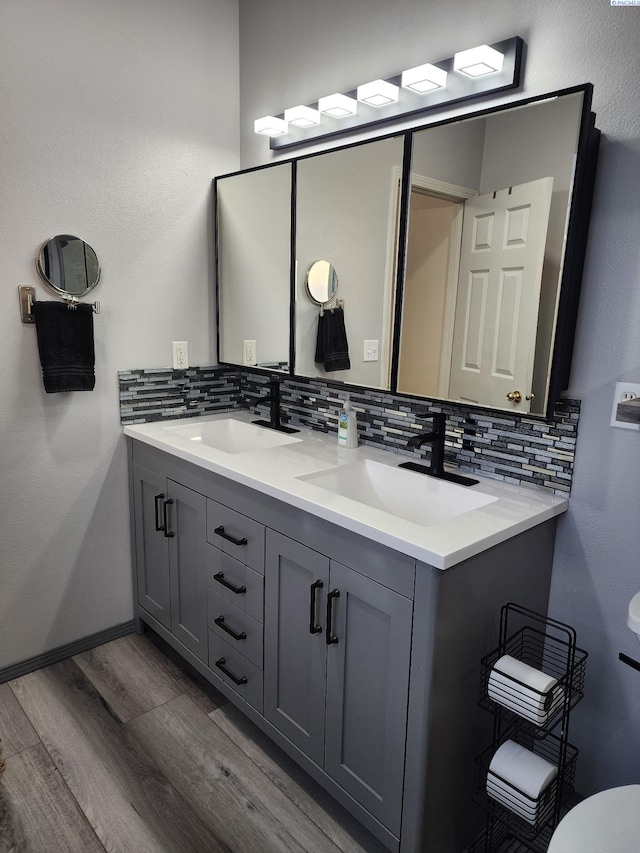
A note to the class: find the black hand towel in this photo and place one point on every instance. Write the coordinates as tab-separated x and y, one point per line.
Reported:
319	356
65	344
335	347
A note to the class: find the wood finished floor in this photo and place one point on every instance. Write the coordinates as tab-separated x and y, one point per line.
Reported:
122	749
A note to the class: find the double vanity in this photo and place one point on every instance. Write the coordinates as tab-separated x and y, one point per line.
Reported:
341	602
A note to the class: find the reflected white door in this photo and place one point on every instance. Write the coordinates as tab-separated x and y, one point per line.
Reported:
503	242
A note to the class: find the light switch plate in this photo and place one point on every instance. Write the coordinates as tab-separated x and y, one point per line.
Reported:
370	351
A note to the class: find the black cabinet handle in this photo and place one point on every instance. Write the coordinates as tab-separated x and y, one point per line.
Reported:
158	498
220	664
221	624
165	518
220	532
219	576
313	627
331	637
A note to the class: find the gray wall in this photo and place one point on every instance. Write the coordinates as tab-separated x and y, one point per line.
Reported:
293	51
113	124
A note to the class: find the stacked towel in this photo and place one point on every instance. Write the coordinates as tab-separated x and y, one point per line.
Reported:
518	778
332	348
65	344
526	691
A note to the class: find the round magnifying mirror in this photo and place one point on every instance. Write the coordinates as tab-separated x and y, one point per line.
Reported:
322	282
68	265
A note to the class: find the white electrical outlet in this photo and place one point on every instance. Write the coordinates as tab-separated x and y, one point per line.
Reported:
180	350
249	353
626	406
370	351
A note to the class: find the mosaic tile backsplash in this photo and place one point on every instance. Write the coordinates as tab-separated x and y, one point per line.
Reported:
512	448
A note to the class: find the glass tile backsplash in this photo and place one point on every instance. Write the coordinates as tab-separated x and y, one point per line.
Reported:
512	448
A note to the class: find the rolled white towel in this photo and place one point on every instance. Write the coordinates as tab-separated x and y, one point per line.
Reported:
523	689
528	677
536	710
510	798
526	771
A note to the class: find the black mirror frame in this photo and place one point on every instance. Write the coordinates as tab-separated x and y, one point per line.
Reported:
573	265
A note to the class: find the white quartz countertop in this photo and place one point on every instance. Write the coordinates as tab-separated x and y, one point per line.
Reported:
275	472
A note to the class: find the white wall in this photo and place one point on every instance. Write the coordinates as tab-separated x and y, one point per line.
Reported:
293	51
112	127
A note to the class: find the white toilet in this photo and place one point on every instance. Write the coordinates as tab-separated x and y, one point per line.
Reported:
608	822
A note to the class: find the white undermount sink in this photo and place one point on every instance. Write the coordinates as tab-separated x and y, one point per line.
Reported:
232	436
406	494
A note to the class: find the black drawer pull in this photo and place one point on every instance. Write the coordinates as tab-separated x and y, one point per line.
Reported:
221	624
331	637
220	532
165	519
156	500
219	576
234	678
314	628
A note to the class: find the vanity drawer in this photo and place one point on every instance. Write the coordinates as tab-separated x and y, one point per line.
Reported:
236	582
232	624
237	535
232	667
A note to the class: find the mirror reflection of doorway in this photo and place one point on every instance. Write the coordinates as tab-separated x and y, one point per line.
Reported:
431	281
469	316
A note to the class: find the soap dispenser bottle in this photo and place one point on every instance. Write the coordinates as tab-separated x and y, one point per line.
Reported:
347	426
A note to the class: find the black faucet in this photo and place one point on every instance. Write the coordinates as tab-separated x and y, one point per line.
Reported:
436	439
273	398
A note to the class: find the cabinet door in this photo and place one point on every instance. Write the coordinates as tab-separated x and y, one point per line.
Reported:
188	568
152	548
367	692
294	654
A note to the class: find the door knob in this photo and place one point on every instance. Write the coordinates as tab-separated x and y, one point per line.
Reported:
514	396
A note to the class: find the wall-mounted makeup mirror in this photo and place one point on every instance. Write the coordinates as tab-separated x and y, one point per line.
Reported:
321	282
464	264
68	266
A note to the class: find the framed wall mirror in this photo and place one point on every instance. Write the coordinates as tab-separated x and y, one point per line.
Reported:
461	263
487	224
345	211
253	248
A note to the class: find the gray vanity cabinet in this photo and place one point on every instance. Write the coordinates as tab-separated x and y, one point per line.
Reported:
384	716
151	546
295	656
170	542
337	654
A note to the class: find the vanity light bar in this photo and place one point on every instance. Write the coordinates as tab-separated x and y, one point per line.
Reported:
478	61
378	93
302	116
469	74
270	126
424	78
338	106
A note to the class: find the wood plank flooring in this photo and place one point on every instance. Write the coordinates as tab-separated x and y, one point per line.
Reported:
123	749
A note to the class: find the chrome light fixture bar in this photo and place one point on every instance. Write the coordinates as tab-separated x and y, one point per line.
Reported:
417	90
